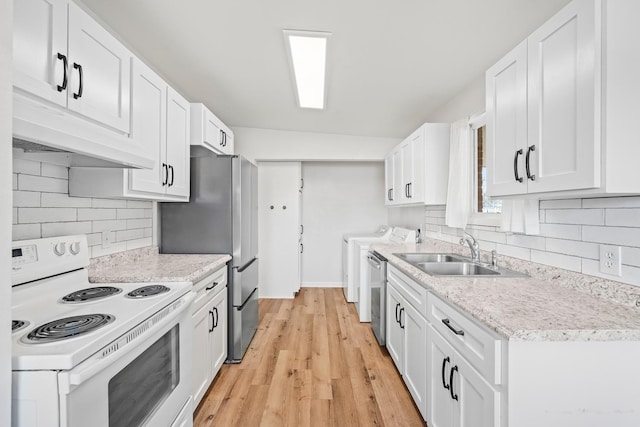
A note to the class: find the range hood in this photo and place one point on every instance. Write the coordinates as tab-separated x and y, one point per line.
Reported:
50	134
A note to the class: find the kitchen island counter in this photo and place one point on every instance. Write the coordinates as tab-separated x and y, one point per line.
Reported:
147	265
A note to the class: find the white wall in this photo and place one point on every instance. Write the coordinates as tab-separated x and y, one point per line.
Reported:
338	198
6	14
468	102
268	144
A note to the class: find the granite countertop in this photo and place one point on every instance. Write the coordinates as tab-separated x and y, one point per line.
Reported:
147	265
551	305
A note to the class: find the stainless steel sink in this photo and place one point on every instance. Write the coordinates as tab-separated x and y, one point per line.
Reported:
456	269
442	264
415	258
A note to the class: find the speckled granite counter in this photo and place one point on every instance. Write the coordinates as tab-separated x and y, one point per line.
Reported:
147	265
551	305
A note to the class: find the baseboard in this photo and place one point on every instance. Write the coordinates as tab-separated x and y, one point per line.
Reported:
321	284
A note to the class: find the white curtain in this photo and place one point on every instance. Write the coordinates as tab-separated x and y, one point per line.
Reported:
521	216
460	170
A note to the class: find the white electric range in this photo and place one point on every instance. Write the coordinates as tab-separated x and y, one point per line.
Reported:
99	355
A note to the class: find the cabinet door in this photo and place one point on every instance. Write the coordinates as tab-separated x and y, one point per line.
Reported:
415	355
416	187
218	336
99	72
564	99
212	131
178	120
202	321
395	334
39	38
388	179
506	104
478	403
439	364
148	127
406	173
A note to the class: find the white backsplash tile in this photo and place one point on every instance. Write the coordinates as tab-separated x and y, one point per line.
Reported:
43	208
571	232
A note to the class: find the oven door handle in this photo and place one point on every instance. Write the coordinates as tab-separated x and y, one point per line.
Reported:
99	361
373	261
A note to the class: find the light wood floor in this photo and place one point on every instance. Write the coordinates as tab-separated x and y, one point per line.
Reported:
311	363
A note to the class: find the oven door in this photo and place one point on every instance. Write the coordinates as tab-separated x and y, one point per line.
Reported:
143	380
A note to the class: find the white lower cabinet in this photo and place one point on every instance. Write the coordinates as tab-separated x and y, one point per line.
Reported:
209	331
458	395
407	336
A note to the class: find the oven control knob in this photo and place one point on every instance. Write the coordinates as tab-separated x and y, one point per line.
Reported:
74	248
60	248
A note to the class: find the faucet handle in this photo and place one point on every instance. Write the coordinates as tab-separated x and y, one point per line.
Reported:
494	258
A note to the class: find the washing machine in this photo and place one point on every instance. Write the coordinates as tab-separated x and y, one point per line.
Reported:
363	305
350	261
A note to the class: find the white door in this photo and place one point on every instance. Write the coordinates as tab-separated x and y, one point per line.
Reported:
506	104
395	334
279	216
148	127
218	335
406	154
178	122
564	100
415	356
439	364
40	48
201	362
99	72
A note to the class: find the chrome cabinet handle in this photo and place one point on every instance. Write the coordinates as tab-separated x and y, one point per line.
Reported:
212	321
172	176
211	287
400	318
397	318
166	174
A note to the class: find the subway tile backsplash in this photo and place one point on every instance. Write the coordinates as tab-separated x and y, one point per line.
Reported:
571	232
43	208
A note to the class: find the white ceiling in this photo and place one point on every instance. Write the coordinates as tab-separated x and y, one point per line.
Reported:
391	63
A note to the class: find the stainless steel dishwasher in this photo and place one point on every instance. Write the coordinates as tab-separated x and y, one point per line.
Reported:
377	277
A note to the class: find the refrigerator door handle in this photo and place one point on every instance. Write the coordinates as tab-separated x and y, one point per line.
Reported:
244	267
240	307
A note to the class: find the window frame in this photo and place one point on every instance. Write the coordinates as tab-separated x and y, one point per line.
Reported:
479	218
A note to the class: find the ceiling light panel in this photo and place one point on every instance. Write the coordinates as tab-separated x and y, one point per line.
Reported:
308	60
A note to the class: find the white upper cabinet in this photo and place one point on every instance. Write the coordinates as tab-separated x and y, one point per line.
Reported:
72	84
178	131
62	55
562	105
209	132
40	62
161	124
420	167
98	72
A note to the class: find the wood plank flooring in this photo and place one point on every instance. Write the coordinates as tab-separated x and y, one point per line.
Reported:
311	363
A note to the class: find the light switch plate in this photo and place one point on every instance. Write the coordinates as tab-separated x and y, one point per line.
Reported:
611	260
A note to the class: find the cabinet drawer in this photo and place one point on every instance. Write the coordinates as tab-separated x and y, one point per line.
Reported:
476	344
413	293
209	287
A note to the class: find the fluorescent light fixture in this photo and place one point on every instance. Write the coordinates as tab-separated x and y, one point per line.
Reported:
308	59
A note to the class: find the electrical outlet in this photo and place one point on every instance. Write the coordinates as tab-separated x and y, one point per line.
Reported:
106	239
611	260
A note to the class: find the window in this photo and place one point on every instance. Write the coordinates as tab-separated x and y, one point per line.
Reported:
484	208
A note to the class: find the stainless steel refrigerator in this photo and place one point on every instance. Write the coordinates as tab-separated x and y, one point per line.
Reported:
221	217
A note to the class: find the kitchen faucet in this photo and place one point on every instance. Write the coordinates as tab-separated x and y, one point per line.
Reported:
473	246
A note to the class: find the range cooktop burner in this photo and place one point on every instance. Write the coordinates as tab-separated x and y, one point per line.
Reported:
147	291
17	325
68	327
91	294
